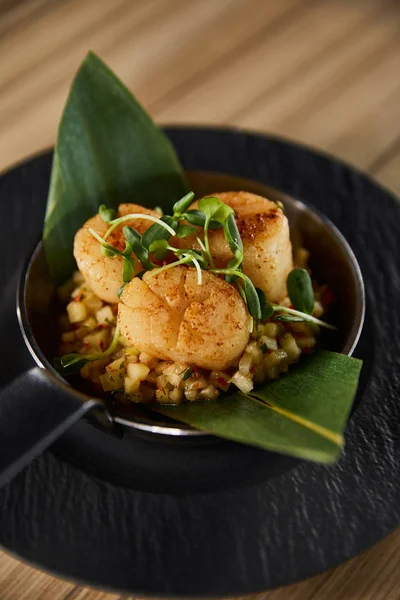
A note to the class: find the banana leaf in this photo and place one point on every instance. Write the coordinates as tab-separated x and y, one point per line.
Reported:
108	151
302	414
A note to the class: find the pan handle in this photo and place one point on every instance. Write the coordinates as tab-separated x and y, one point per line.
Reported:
35	410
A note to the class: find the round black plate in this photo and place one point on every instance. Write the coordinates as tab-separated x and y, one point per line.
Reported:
214	518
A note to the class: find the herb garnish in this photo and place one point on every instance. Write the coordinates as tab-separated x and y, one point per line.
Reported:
74	362
211	211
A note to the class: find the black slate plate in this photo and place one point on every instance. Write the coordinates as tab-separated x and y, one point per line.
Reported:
214	518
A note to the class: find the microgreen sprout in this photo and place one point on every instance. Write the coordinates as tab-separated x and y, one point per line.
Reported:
211	213
187	373
74	362
107	214
108	250
115	222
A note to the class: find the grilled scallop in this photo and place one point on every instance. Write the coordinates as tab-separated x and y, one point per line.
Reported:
264	230
169	316
103	273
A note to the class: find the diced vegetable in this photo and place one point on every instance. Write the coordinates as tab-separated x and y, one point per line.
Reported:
245	384
104	315
76	311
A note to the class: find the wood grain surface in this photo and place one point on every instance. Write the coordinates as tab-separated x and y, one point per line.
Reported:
323	72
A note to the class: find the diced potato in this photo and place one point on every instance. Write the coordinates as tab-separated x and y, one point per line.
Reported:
162	381
198	383
90	323
289	345
162	396
112	381
209	393
115	366
160	367
76	312
220	379
78	291
245	363
88	326
271	329
136	373
306	342
93	303
131	386
176	396
274	372
302	328
191	394
104	315
148	360
245	384
255	351
273	359
97	340
318	309
269	342
175	373
131	351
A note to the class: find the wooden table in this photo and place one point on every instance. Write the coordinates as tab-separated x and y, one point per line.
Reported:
323	72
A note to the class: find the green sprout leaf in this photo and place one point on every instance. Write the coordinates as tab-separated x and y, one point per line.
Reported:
212	207
107	214
135	239
129	268
288	318
108	252
232	236
197	217
266	307
300	291
187	374
159	248
182	204
253	302
121	289
184	230
158	232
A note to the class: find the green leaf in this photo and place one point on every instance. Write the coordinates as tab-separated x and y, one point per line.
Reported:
182	204
129	268
302	414
158	232
300	291
74	366
253	302
107	214
267	310
213	208
187	374
199	256
135	239
288	318
108	151
197	217
232	236
185	230
160	248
